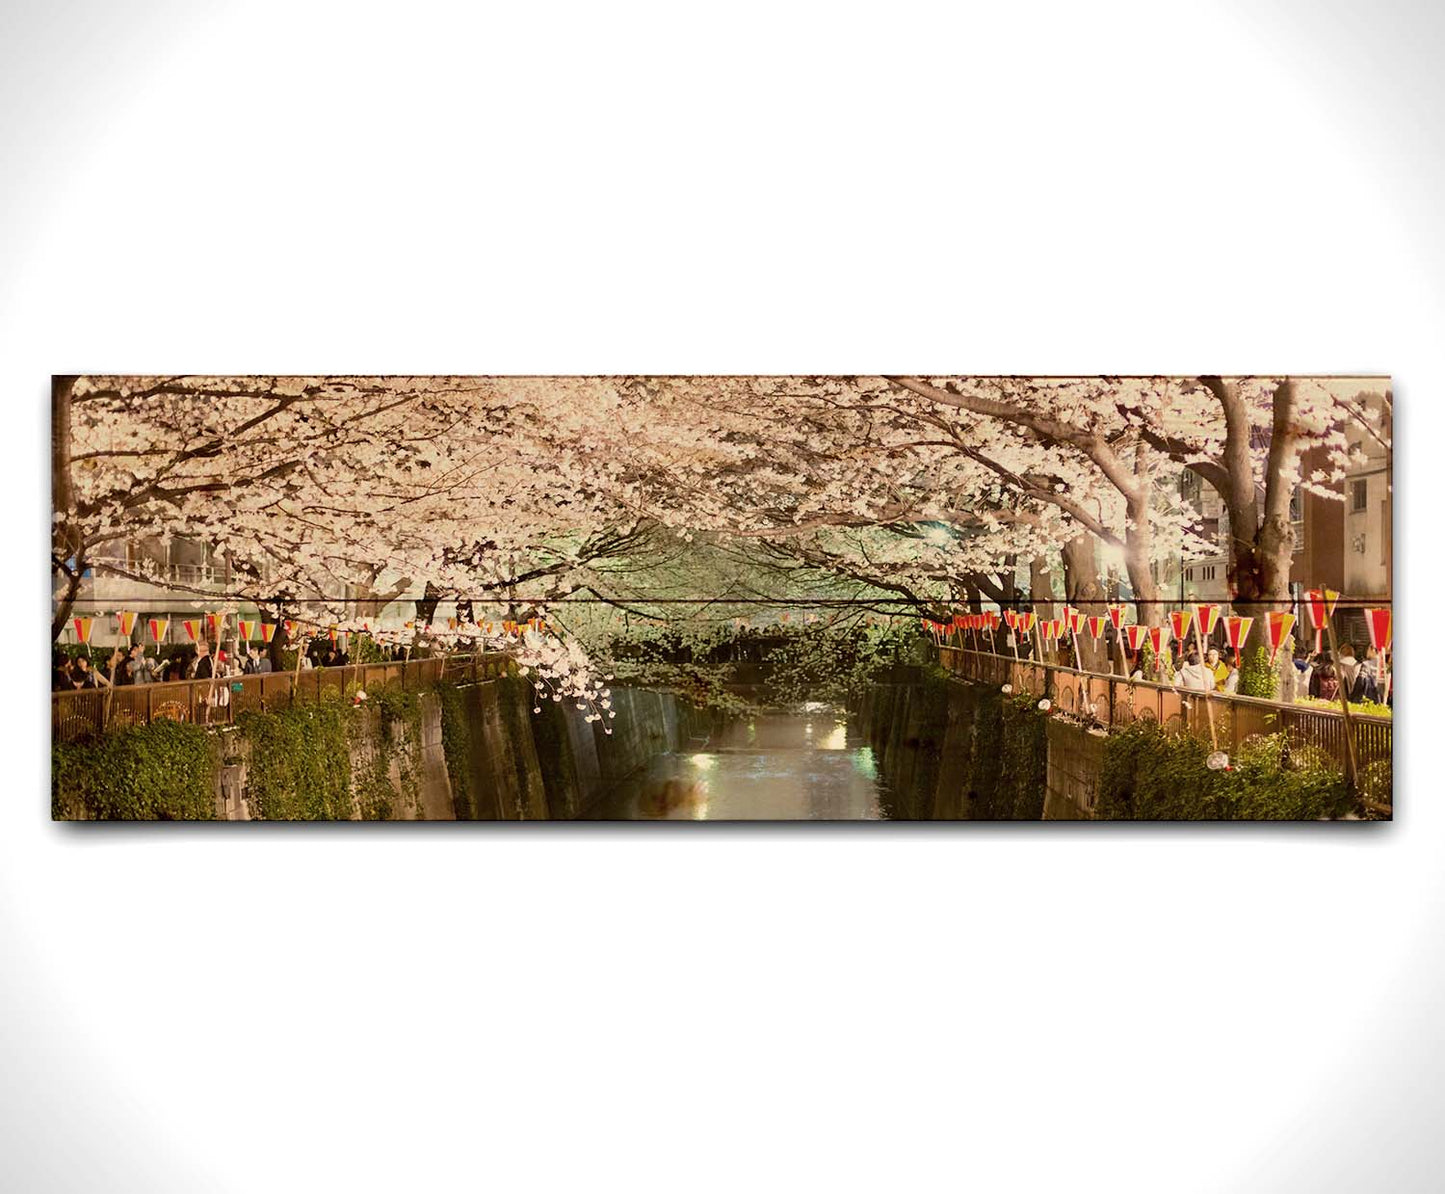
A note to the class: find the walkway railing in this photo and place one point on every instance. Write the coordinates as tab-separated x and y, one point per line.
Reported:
82	712
1222	719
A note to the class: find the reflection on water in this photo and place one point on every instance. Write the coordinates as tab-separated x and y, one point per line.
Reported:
775	767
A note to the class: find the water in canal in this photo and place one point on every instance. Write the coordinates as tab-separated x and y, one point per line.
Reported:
773	767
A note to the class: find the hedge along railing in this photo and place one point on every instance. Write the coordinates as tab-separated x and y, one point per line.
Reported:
82	712
1113	700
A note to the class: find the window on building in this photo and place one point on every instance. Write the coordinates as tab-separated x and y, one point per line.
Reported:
1297	505
1359	496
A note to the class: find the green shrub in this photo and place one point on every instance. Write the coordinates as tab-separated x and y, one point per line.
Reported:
164	771
1257	678
298	763
1151	775
1363	708
703	686
363	649
825	663
1376	782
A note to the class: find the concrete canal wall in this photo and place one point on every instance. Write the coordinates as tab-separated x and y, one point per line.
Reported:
949	750
952	749
481	753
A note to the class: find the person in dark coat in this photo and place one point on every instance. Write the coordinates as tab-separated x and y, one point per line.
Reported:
1368	684
81	675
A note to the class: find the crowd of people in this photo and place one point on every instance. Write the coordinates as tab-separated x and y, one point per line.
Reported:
126	666
1308	674
133	665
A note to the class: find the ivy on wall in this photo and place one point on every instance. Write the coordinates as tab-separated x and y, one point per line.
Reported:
165	771
299	763
393	738
1024	766
1009	757
1152	775
986	761
457	748
317	760
327	760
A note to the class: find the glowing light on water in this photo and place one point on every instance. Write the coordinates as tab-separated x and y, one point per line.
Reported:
864	763
703	762
836	739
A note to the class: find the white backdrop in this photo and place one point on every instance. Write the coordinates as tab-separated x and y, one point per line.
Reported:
747	187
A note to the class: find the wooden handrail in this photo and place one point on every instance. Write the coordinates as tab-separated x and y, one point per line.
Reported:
83	711
1109	699
1183	690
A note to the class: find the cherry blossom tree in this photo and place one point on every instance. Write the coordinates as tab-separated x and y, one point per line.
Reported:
344	493
1249	439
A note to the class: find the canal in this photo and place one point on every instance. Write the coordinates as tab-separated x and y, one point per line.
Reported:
806	766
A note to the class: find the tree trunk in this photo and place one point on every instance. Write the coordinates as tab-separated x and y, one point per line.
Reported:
1041	599
1084	589
1041	587
1138	563
66	542
1139	542
1261	541
426	605
1010	587
278	642
66	601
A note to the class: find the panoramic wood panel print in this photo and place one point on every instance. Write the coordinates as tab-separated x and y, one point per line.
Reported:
722	598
